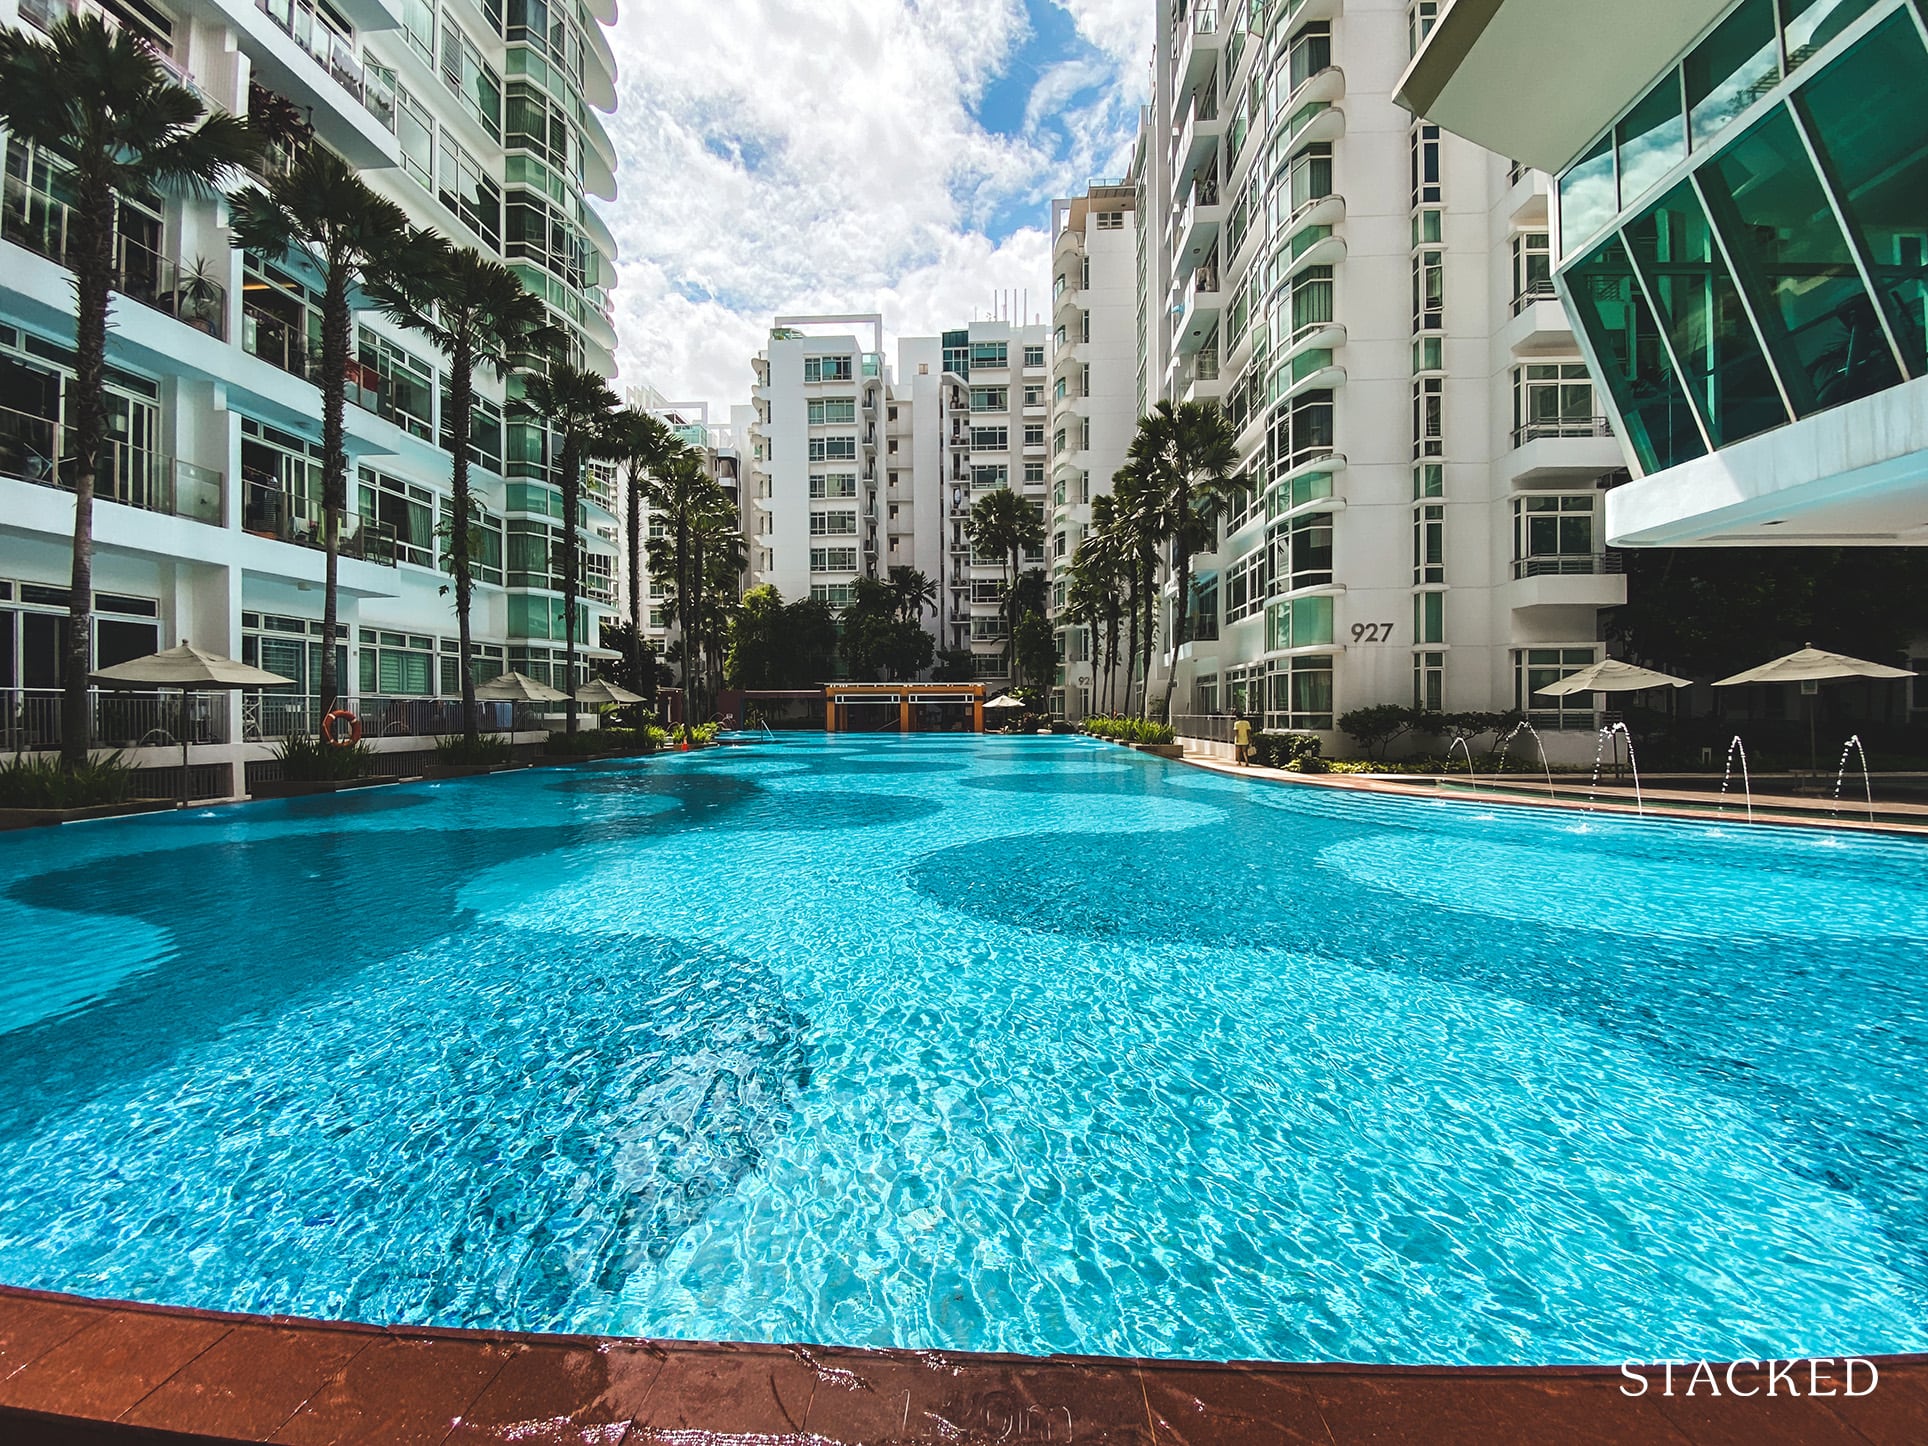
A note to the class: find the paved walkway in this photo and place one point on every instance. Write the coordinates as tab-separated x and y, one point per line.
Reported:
78	1371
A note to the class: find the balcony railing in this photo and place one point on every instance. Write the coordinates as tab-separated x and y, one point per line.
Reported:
269	510
1541	290
45	14
36	449
273	714
1204	727
281	344
30	719
332	51
43	223
1562	427
1570	564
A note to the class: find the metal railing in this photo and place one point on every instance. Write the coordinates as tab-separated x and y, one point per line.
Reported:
38	450
1575	427
330	50
1574	564
43	223
1535	291
30	719
1204	727
272	714
270	510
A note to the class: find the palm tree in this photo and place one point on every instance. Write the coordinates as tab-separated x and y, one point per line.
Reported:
1137	526
99	101
1004	523
321	209
479	313
915	592
1188	454
576	404
682	492
644	445
719	556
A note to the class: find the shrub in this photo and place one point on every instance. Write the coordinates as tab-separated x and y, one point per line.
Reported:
43	783
704	734
315	760
577	745
1130	730
487	748
1374	728
655	737
1283	750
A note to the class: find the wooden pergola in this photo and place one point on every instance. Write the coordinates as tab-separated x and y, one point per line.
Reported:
838	697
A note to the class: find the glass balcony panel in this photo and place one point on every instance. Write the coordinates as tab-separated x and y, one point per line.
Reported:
1725	371
1819	321
1871	130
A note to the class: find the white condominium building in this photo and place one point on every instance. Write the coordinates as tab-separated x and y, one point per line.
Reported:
1370	301
645	597
1096	344
855	471
480	122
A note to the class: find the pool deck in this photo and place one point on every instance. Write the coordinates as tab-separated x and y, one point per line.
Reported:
1524	791
77	1372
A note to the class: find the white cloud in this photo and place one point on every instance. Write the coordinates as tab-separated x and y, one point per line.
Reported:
788	156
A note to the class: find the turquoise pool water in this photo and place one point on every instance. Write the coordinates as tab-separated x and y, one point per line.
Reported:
1027	1044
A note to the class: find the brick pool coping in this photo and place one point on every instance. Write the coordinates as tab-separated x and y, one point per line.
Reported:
81	1371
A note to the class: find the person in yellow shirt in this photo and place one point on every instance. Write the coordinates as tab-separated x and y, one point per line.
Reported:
1242	740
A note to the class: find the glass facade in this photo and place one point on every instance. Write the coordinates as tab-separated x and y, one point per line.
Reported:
1748	244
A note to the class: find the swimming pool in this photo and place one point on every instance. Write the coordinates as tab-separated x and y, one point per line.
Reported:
1004	1044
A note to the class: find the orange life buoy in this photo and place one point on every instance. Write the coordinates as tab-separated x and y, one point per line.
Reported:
329	733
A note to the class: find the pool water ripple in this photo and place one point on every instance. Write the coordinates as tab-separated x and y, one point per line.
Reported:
981	1044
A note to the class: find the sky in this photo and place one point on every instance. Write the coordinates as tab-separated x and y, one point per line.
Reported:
783	157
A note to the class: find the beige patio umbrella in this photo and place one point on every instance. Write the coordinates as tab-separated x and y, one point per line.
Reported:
1614	676
600	692
192	670
1004	700
518	688
1811	667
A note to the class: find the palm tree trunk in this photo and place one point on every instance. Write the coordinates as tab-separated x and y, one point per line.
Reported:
1131	655
1148	590
635	541
1181	608
571	503
683	625
461	404
93	238
334	470
693	642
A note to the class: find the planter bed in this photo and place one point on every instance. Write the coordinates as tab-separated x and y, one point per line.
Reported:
282	789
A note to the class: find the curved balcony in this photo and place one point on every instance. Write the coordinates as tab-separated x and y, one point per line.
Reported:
1317	120
1327	210
1196	318
1196	229
1199	44
1322	85
1322	250
1313	336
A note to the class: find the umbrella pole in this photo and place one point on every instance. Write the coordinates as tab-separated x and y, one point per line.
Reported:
184	798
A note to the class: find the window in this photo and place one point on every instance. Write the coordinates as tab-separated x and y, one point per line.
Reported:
1429	417
1303	432
1429	480
1731	69
1309	178
836	594
402	508
1429	545
1033	396
990	439
415	131
1034	355
406	394
1300	694
1427	188
833	524
1537	668
833	484
1552	399
984	476
418	24
1651	139
1587	196
475	82
1033	474
1869	128
826	369
1059	441
485	431
1429	290
833	449
397	664
1311	302
468	192
1305	553
1532	268
1429	682
1034	434
832	411
1821	326
1554	534
1084	379
485	540
1310	53
1429	617
1429	354
990	399
1419	24
991	354
833	559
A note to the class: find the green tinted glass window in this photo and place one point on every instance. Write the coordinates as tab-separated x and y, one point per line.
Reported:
1819	322
1811	24
1652	139
1587	196
1626	338
1732	68
1723	368
1871	129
